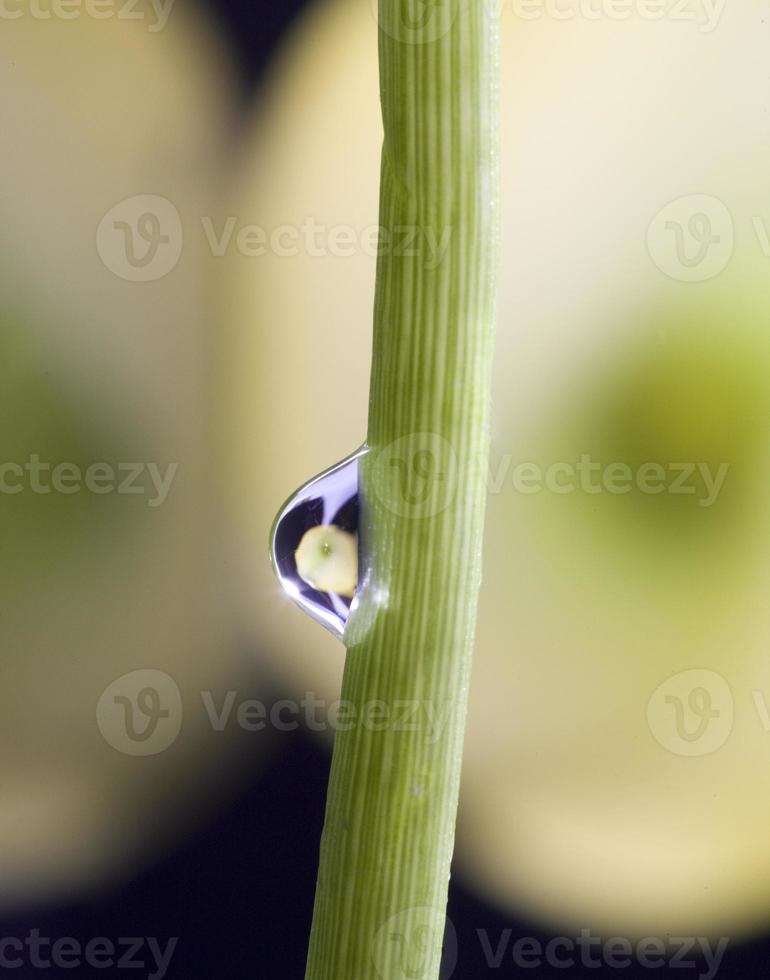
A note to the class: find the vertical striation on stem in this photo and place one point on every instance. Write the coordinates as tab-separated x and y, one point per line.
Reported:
389	831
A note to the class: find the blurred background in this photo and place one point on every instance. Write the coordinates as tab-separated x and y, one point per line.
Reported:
188	198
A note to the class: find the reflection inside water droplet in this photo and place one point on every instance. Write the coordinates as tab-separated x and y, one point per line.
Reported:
327	558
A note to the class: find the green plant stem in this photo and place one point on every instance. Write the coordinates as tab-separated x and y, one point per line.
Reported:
389	832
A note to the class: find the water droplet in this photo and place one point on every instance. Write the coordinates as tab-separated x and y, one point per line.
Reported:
314	544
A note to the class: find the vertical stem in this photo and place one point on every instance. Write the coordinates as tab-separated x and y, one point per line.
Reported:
389	832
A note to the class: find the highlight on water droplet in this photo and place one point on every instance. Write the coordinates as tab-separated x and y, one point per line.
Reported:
314	544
